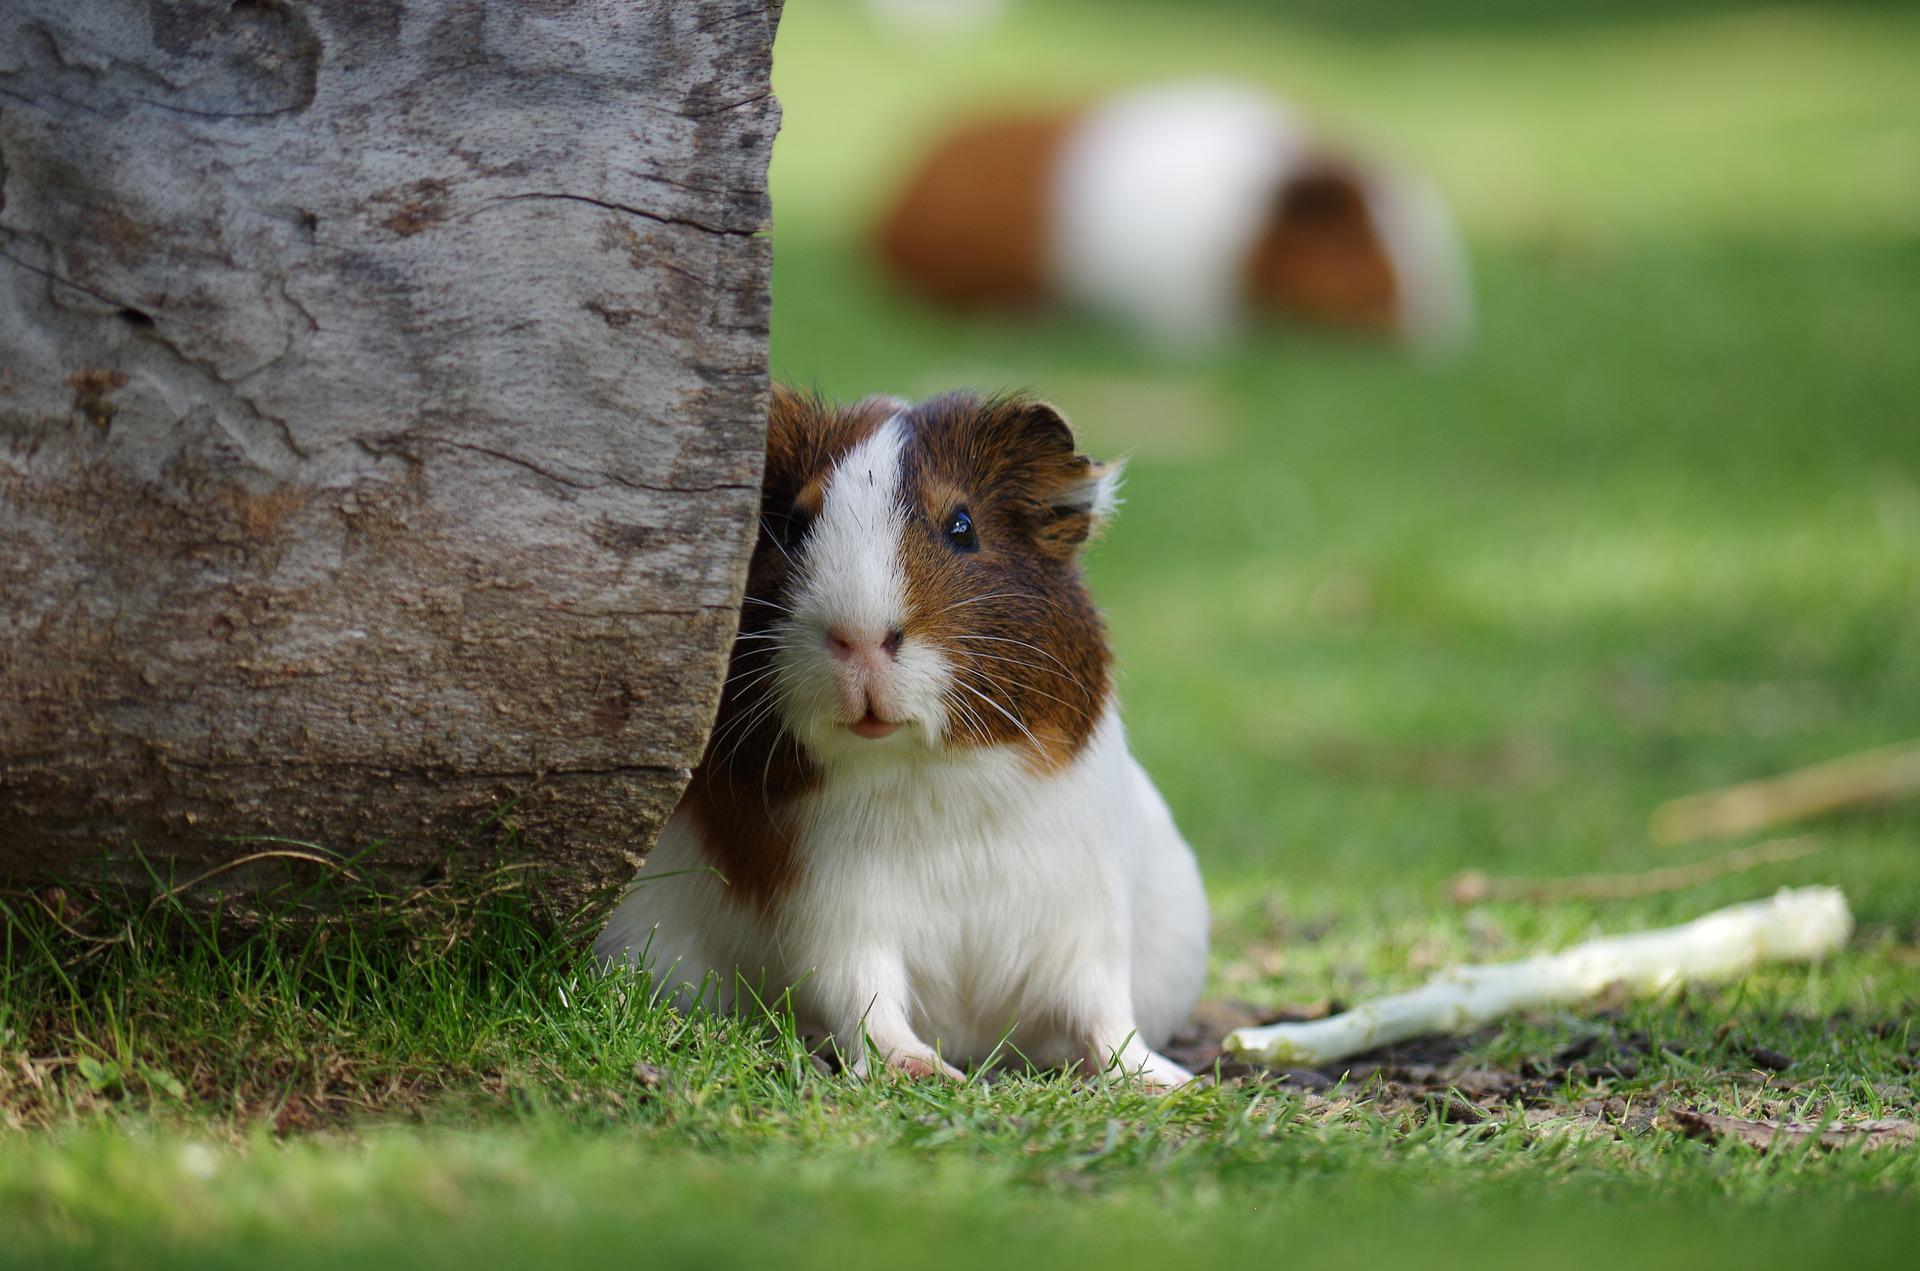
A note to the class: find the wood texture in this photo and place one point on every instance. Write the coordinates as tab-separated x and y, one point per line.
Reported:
382	407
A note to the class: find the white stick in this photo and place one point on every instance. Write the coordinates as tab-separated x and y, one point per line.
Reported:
1794	925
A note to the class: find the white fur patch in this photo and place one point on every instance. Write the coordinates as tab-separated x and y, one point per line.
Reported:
951	902
854	578
852	572
1429	261
1160	197
1100	497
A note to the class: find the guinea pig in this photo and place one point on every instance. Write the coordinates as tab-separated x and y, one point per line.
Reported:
1183	211
918	813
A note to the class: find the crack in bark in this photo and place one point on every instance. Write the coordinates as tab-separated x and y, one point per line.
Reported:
51	276
294	109
515	460
737	15
630	484
723	108
659	218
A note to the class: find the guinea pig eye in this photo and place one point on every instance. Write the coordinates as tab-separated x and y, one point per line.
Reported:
959	532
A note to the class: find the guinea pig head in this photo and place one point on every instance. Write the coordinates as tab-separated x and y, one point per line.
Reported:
916	588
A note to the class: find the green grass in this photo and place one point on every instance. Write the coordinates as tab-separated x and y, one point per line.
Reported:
1379	622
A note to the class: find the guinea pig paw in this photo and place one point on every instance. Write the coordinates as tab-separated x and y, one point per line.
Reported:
1151	1073
1164	1079
923	1067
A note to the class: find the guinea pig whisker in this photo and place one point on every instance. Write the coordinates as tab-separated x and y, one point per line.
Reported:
999	595
974	600
765	635
747	661
1011	717
768	712
745	719
950	702
744	722
775	539
1011	690
1031	666
1025	644
1075	707
766	776
752	721
763	667
977	724
771	604
764	675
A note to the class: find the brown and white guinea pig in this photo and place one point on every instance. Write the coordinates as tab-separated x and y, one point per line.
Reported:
1183	211
918	810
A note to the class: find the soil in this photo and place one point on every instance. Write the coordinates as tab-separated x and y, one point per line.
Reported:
1437	1077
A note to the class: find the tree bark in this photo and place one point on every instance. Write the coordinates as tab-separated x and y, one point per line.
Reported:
382	406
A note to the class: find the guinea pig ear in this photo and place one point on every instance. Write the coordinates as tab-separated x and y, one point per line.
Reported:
1079	494
1096	494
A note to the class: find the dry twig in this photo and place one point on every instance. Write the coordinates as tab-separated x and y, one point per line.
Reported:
173	893
1792	925
1473	886
1872	776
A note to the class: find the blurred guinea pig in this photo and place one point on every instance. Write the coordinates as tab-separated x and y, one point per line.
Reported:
1184	212
918	811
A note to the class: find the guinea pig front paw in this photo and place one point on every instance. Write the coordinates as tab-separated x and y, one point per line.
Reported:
1145	1069
914	1060
923	1067
1160	1075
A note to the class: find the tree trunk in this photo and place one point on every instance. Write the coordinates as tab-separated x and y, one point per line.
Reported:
382	406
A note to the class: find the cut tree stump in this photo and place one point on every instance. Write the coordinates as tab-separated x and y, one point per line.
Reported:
382	407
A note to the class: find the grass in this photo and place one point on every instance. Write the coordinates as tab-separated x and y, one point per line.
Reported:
1379	621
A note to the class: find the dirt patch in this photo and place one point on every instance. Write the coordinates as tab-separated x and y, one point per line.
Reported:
1437	1077
1767	1135
1593	1087
1434	1074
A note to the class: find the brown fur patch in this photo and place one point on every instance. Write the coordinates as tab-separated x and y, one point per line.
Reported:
971	226
1014	618
1322	258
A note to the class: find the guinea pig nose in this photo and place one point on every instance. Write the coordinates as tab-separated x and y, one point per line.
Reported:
846	645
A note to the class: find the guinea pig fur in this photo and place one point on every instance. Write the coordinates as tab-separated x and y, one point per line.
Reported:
1182	211
918	811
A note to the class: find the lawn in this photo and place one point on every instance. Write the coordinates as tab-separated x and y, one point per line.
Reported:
1380	621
